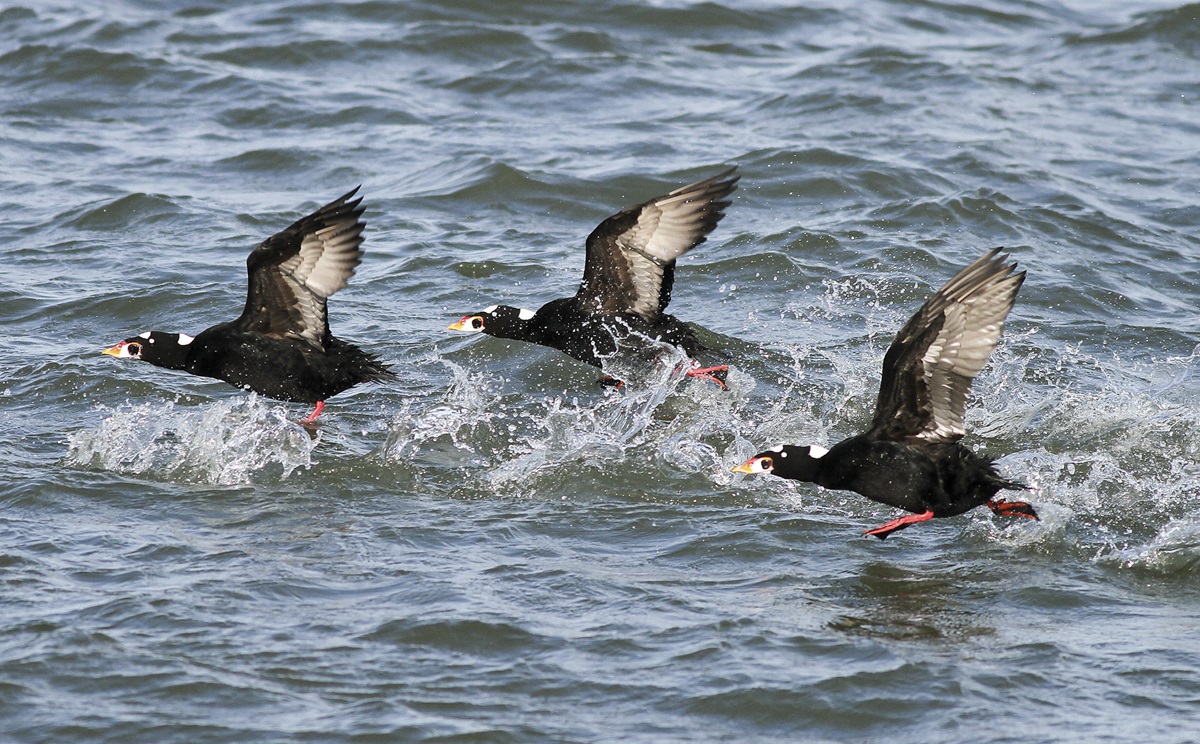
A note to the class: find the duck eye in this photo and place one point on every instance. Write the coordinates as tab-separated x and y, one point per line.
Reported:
766	463
134	349
477	323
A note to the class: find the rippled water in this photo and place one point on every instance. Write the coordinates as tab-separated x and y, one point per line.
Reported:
494	548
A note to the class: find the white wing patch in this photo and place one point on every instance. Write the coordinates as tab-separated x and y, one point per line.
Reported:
328	257
971	328
626	262
326	260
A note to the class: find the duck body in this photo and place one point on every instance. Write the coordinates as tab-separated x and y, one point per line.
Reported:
279	368
561	324
629	270
281	345
913	457
945	478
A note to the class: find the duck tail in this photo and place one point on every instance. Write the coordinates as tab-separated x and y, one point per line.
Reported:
1003	507
370	368
1010	485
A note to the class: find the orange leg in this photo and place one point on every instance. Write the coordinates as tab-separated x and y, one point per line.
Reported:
714	374
313	416
899	524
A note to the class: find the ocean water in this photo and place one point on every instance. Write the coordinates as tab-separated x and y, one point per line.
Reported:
494	548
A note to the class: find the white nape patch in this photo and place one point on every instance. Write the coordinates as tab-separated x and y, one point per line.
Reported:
185	339
490	309
816	451
526	314
145	335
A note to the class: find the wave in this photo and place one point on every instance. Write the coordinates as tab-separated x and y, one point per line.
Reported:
1177	27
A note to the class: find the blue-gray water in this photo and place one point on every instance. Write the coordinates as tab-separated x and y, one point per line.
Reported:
495	550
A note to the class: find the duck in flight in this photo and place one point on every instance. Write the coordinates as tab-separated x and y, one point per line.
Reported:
627	277
281	346
913	457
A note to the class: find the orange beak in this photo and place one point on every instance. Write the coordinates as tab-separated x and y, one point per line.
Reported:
755	465
114	350
463	324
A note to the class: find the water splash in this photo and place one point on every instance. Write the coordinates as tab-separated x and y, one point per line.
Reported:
1117	459
238	440
464	410
1174	550
512	443
624	421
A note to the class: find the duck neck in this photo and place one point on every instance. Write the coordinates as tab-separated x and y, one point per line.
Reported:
166	350
795	463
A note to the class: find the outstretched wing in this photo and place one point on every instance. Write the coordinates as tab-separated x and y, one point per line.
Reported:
630	264
928	370
293	272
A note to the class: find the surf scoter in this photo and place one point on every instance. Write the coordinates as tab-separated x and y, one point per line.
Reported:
281	346
627	278
913	457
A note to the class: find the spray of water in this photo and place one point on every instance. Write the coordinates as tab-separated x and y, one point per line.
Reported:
237	440
1109	446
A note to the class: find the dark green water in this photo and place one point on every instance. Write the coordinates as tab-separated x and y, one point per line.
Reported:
494	549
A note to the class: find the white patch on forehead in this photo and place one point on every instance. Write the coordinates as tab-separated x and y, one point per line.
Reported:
815	451
185	339
777	448
490	309
526	314
145	335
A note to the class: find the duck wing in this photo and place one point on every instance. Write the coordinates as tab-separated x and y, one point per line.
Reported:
630	263
928	370
293	273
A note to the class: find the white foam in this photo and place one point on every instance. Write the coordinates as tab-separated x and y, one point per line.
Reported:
238	440
467	405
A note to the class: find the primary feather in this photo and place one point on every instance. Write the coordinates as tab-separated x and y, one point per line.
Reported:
928	369
630	264
293	273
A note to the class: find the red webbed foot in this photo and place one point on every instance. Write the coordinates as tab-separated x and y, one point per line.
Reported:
899	524
715	374
1003	508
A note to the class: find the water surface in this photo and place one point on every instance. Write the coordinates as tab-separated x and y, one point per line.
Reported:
495	549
